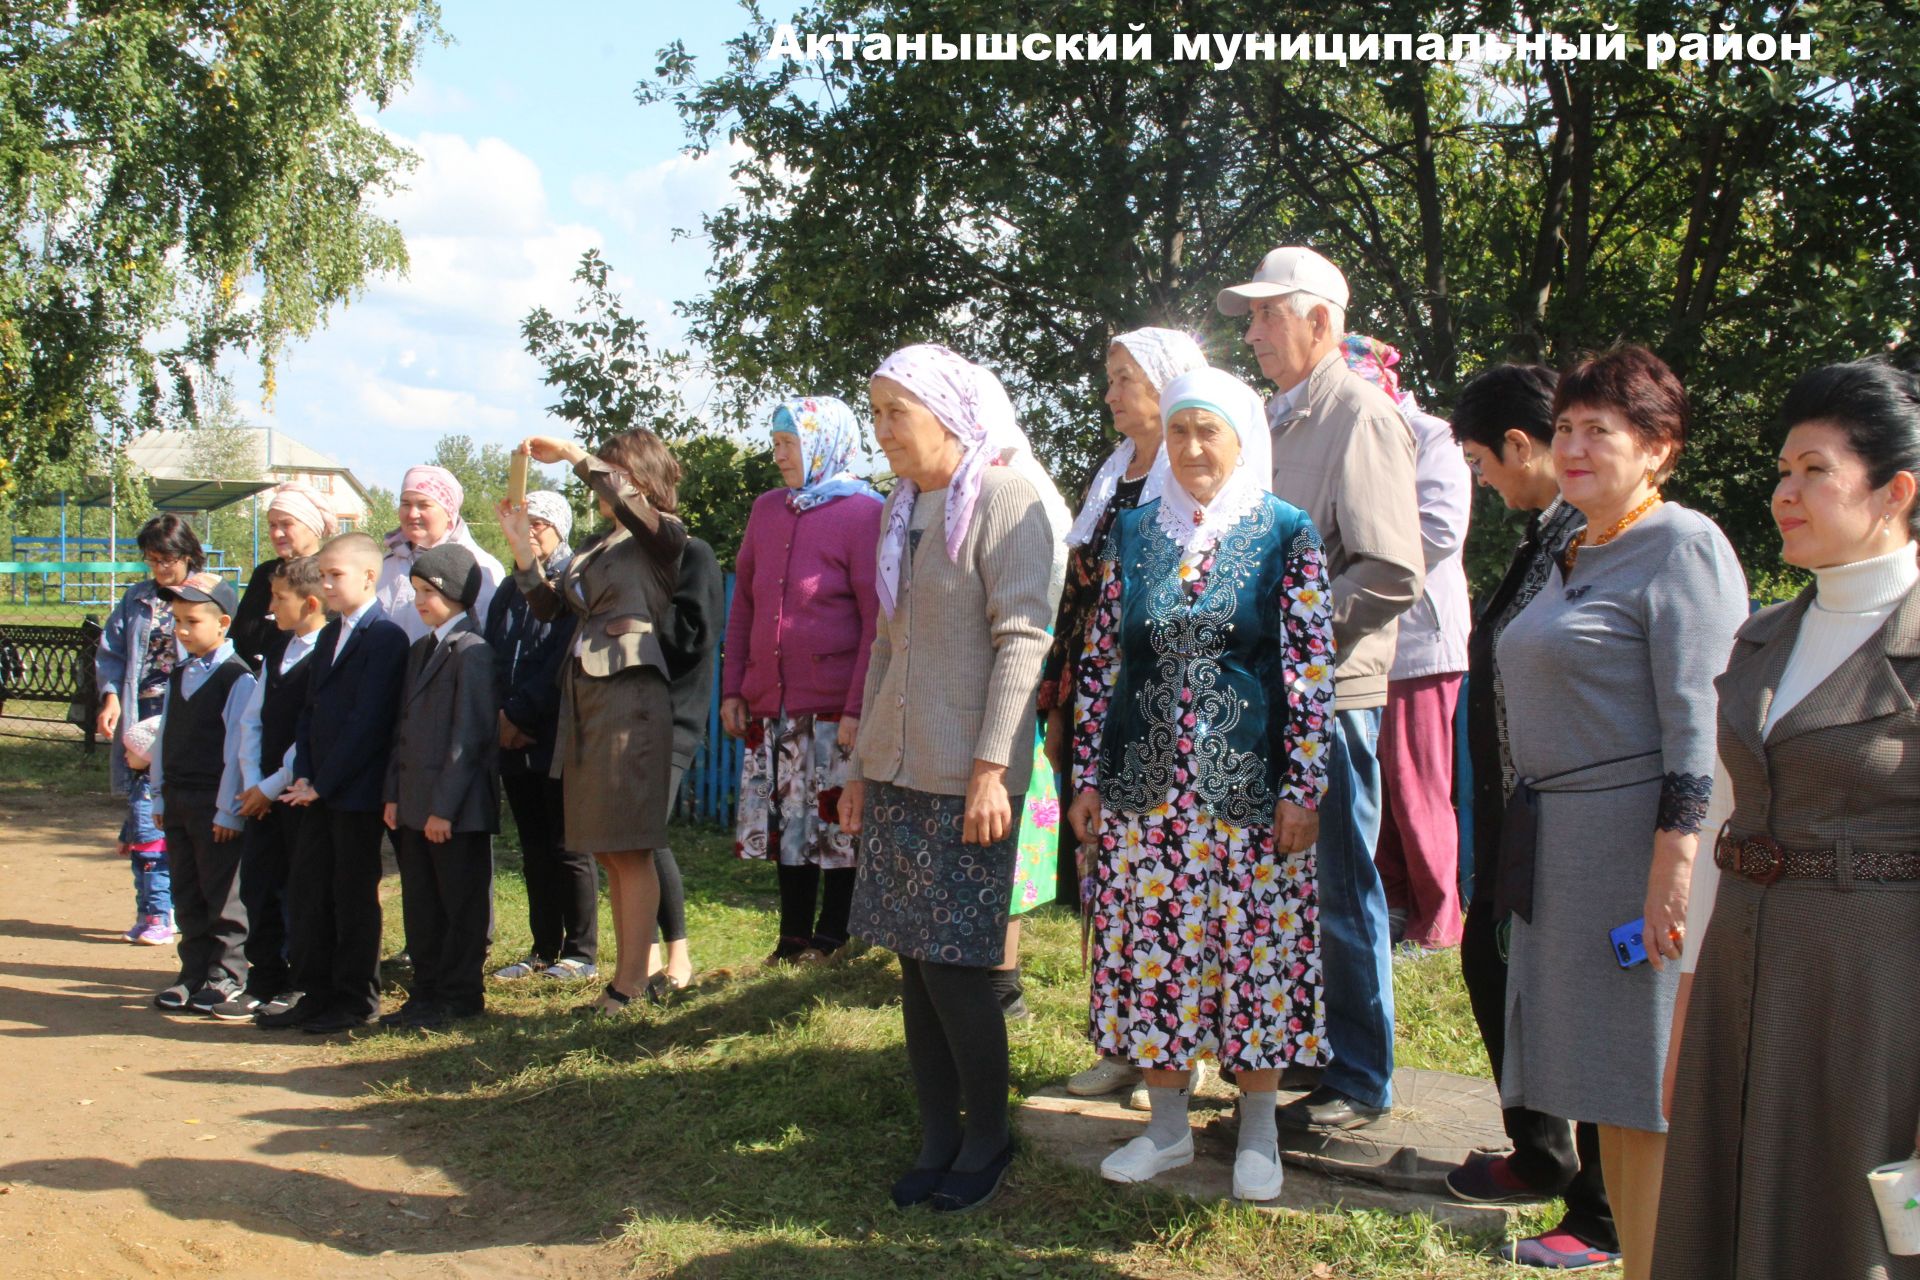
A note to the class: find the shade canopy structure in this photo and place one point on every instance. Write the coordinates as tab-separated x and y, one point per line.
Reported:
177	481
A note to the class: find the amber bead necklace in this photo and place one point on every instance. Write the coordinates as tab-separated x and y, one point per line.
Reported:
1620	526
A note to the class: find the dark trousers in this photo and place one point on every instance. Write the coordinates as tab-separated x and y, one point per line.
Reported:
206	893
1548	1154
444	890
334	886
265	862
563	888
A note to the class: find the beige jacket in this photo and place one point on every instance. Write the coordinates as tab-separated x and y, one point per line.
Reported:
956	669
1345	456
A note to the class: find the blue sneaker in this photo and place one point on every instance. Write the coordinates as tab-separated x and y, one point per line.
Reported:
1556	1251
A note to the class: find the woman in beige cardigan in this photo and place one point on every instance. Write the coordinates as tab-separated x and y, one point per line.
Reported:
968	571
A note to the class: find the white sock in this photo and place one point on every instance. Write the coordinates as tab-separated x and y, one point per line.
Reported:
1258	1129
1169	1123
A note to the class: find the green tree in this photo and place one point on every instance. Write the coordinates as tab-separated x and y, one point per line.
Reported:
1745	219
610	379
178	181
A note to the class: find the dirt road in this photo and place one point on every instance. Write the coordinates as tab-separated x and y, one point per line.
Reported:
137	1144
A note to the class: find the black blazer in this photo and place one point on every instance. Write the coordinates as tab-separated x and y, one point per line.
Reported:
690	637
346	728
445	742
253	630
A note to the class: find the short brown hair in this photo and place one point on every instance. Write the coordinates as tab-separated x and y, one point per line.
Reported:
645	457
301	574
1638	384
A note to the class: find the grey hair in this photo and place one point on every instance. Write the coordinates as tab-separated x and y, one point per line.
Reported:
1303	304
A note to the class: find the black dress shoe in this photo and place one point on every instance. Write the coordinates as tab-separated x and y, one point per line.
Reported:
407	1014
916	1187
965	1192
172	999
297	1014
1300	1079
336	1020
1328	1108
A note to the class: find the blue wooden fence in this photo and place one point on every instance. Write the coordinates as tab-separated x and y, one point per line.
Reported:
712	785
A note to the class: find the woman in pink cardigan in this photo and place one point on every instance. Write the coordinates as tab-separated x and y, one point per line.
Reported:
796	665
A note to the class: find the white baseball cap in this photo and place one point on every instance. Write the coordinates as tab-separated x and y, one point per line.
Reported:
1292	269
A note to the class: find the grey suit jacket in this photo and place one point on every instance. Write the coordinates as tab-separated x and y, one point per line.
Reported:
447	738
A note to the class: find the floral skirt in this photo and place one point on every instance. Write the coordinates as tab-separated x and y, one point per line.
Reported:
921	892
1205	944
1036	874
790	785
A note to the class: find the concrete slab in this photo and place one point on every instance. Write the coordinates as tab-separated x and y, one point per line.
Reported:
1398	1166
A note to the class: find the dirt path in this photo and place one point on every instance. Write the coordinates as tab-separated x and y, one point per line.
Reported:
137	1144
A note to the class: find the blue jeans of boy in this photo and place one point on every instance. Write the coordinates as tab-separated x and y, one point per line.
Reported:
1356	956
152	885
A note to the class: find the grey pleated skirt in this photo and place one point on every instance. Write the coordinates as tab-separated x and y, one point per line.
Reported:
1799	1072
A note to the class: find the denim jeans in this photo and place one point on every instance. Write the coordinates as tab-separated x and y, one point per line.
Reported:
1356	955
152	886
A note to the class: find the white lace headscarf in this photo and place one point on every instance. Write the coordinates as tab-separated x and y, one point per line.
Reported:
1191	525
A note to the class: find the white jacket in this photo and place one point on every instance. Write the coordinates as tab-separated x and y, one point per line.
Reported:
1433	633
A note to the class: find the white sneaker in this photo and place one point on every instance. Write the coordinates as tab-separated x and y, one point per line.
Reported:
1104	1076
1140	1160
1257	1175
1202	1069
520	969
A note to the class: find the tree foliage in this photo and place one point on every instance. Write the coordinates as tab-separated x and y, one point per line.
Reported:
610	379
1747	220
177	181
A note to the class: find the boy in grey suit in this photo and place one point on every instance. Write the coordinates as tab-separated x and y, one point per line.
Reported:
441	795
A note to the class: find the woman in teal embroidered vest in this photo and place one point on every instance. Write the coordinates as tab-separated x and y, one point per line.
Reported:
1205	687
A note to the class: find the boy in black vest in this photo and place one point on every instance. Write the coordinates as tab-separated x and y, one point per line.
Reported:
196	783
266	770
441	796
341	743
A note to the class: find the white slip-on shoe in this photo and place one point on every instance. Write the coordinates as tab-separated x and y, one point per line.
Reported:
1140	1160
1104	1076
1258	1175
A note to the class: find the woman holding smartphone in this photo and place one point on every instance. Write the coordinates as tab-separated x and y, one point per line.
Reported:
1608	674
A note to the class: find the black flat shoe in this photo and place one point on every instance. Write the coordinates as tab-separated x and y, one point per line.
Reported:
1328	1108
619	999
336	1020
916	1187
965	1192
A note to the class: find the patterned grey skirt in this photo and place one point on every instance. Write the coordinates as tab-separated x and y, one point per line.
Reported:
921	893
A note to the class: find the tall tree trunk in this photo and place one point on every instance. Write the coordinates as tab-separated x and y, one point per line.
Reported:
1530	308
1443	351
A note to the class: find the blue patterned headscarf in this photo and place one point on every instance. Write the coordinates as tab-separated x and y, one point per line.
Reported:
828	434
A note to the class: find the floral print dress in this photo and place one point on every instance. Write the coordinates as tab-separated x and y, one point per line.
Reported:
1205	942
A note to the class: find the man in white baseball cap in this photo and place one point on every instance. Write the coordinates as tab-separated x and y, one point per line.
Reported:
1343	453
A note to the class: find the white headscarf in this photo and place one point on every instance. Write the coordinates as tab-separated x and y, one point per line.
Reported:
1191	526
1163	355
972	405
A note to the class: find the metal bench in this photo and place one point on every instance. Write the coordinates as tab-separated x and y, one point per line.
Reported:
51	664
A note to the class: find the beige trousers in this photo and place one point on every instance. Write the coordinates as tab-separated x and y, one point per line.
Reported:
1631	1161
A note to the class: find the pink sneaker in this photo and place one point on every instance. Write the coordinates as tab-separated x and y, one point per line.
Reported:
133	932
157	931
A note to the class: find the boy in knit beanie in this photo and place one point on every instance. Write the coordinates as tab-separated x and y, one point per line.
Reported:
441	794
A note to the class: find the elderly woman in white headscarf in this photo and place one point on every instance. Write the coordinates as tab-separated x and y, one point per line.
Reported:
299	519
969	567
430	501
1206	678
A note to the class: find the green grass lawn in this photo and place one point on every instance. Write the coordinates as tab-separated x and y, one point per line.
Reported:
751	1129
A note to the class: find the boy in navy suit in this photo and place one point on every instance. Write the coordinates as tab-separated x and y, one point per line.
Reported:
340	748
441	796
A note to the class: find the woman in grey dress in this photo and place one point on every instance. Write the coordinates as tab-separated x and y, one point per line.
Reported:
1608	674
1797	1066
968	570
613	748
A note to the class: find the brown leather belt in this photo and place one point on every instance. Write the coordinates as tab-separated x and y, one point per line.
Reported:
1763	861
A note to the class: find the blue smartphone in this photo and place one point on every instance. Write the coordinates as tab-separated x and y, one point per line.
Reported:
1629	948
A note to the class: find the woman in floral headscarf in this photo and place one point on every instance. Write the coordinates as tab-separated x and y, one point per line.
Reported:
1198	768
970	563
796	667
